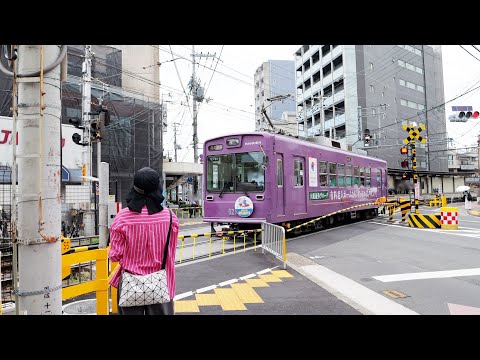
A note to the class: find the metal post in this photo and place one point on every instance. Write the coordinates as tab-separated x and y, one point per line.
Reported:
103	176
39	178
415	176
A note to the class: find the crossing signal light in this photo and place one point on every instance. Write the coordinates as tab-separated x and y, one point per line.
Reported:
403	150
76	122
404	163
366	137
405	176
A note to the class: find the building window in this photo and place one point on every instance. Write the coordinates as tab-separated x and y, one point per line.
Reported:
371	66
383	93
401	82
372	89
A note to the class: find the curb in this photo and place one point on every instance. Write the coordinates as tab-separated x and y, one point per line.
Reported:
359	297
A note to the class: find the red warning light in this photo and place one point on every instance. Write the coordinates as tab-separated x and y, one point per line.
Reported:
475	114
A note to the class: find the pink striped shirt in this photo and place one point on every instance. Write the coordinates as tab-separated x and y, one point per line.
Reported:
137	241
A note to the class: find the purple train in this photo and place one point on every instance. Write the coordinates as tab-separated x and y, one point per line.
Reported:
255	177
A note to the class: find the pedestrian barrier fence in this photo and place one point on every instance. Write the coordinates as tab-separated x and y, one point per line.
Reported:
430	221
187	212
274	241
449	218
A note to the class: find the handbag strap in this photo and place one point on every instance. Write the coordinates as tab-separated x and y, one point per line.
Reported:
165	252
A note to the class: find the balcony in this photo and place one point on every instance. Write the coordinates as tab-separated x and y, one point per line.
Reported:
327	59
338	73
327	79
307	93
336	51
315	67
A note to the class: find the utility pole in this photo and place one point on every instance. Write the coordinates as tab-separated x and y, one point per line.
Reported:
175	150
89	216
39	288
197	92
175	139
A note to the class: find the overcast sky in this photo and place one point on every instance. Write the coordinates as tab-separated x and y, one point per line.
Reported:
231	90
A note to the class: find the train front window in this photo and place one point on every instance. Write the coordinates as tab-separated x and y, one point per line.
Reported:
220	173
230	173
249	171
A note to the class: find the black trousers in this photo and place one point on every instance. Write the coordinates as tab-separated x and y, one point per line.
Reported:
156	309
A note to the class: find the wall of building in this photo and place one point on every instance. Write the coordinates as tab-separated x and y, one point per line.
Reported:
134	59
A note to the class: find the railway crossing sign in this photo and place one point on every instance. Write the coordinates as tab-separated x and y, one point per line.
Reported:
414	134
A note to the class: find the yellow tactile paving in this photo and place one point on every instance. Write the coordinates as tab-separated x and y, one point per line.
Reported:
246	294
256	283
229	299
207	299
282	273
269	278
186	306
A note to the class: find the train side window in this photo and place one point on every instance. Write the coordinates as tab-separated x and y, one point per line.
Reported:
367	181
279	172
356	171
379	178
323	173
341	174
298	172
333	177
362	181
348	181
348	169
356	181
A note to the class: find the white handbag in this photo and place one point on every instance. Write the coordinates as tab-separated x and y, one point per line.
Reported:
140	290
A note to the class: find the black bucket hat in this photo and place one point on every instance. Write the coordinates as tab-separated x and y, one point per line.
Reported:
146	190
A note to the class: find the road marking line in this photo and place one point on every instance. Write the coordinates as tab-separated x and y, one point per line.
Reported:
428	275
263	271
211	287
184	295
247	276
438	231
228	282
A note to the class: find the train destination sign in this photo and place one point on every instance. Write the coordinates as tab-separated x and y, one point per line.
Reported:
318	195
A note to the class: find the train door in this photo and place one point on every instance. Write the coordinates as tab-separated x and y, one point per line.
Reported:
280	186
299	192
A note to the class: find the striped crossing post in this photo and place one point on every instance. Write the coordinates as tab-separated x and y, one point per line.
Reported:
414	133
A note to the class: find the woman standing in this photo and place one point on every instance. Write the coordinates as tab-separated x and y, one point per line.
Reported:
138	236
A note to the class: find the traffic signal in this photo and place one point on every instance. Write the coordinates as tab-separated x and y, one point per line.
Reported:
76	122
464	116
405	176
404	163
366	137
403	150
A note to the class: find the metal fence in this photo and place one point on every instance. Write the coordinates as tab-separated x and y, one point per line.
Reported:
274	241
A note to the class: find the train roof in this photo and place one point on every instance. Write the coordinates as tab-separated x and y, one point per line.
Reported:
300	142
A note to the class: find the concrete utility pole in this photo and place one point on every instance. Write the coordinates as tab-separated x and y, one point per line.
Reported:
197	92
89	216
39	178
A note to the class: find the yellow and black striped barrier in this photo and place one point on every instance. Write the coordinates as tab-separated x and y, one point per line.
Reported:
377	202
424	221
